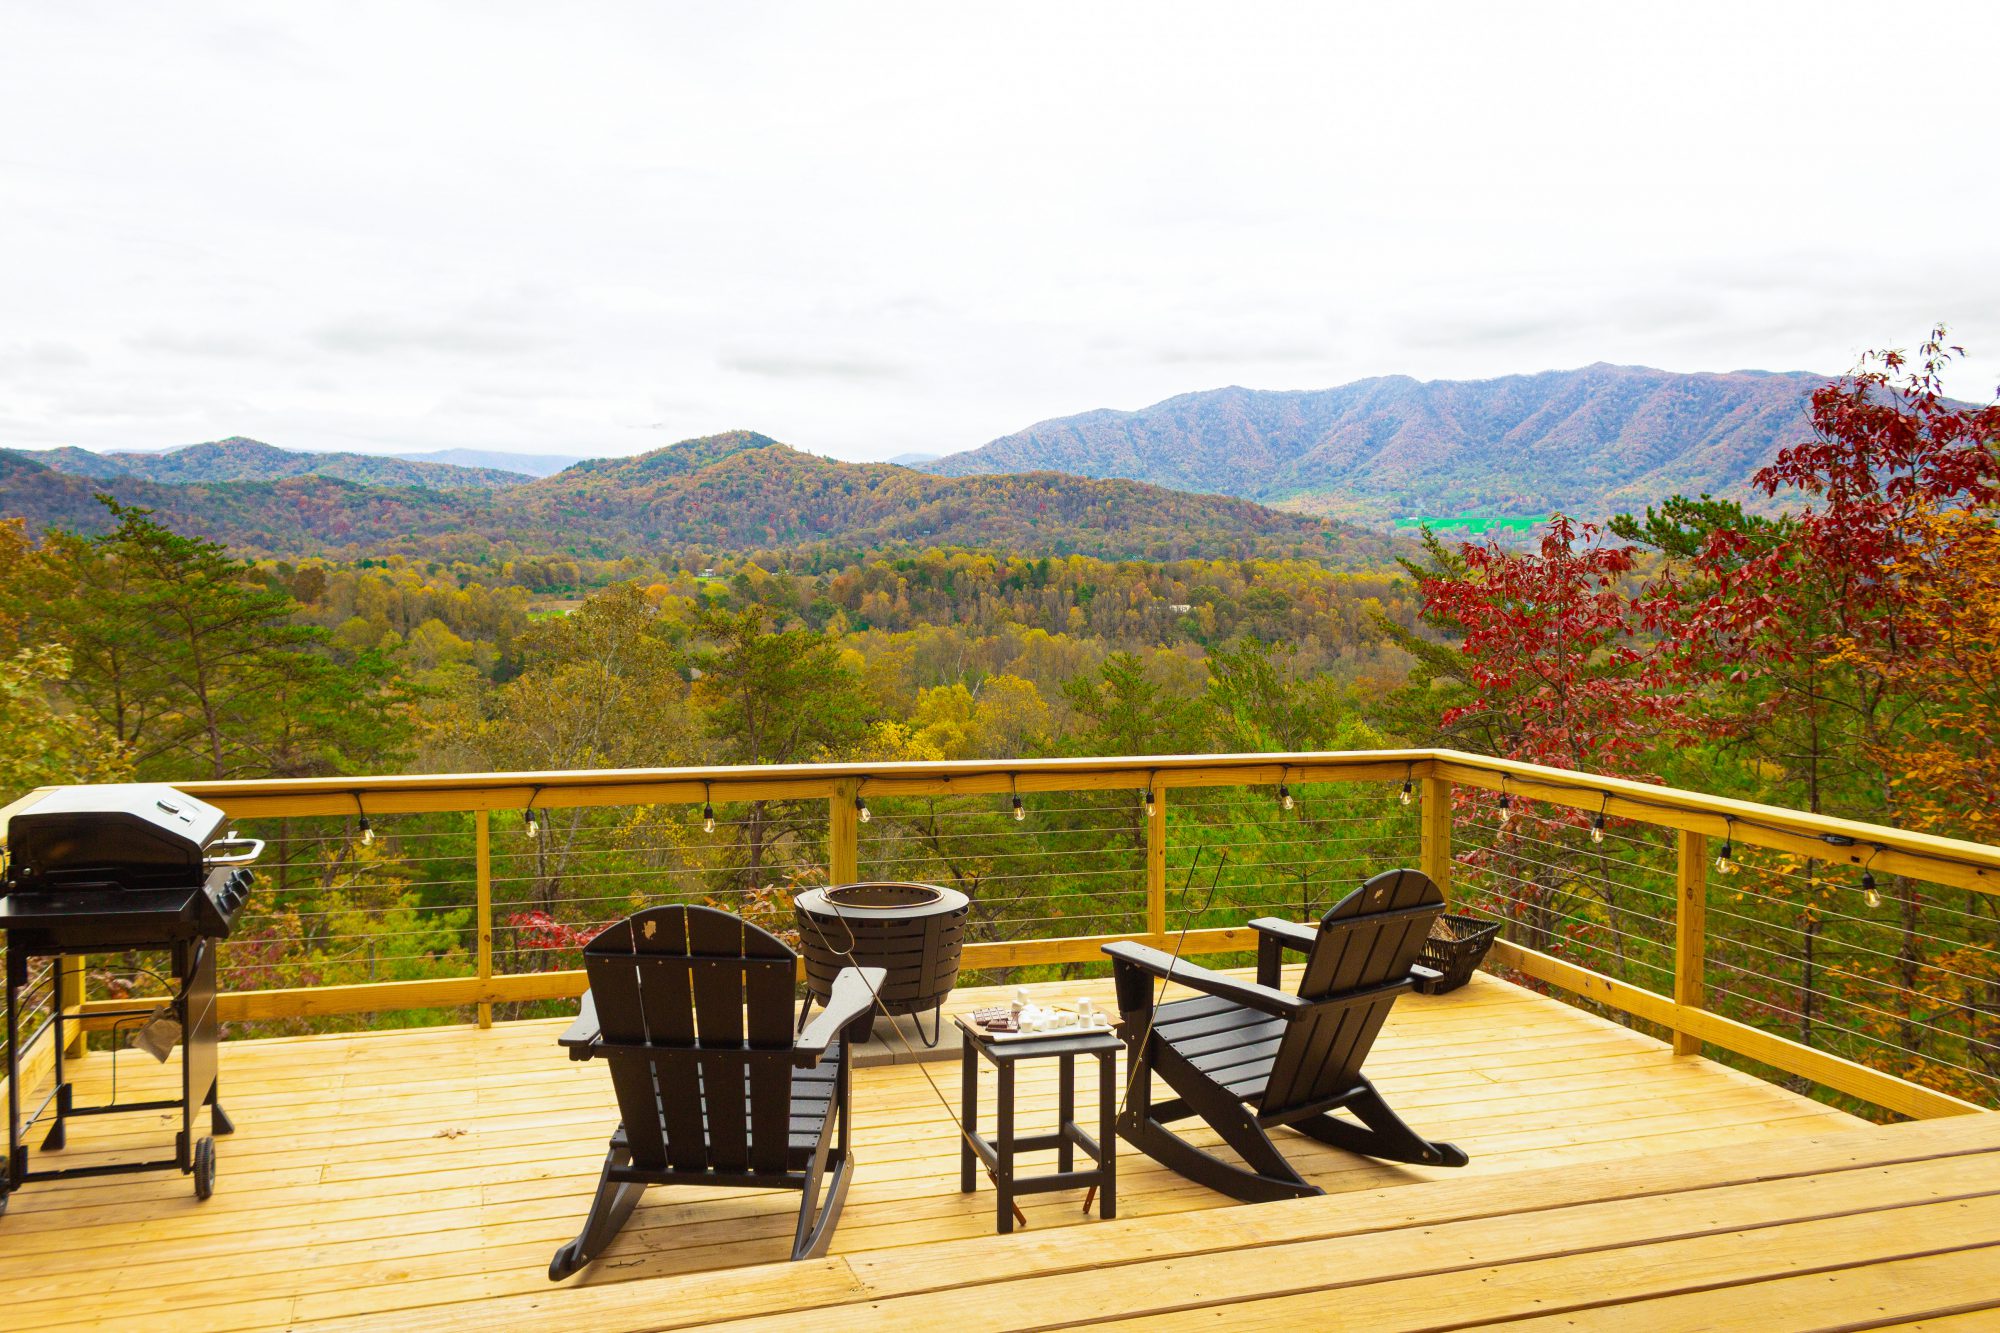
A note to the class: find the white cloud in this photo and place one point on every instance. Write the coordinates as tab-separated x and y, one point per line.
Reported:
875	228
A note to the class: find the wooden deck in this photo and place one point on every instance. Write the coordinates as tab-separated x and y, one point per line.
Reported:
423	1179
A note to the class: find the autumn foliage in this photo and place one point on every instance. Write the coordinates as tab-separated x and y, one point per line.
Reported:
1842	656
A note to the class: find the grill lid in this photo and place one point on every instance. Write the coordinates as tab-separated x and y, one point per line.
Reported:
130	834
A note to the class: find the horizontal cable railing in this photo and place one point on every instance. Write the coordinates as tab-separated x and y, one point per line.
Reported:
434	897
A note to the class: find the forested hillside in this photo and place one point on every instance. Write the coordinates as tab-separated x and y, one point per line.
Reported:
735	492
238	459
1586	442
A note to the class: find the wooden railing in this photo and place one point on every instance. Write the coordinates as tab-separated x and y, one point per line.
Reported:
1440	779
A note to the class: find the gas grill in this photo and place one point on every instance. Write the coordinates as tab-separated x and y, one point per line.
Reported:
118	868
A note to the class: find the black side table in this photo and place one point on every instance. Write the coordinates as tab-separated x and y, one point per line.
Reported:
998	1152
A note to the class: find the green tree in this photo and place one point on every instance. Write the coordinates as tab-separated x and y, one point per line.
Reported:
602	688
1125	708
41	741
773	697
198	668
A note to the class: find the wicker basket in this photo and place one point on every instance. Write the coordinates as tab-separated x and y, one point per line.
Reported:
1456	945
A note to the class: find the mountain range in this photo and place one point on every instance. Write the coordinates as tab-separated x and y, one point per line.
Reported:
1587	442
737	491
238	459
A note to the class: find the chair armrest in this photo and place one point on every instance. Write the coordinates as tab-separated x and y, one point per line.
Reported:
1289	934
1273	938
581	1038
1157	963
853	995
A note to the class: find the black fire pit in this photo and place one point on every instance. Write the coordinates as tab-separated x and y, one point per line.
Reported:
912	930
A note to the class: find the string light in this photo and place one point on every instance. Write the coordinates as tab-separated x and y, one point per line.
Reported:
367	833
534	828
1597	829
1020	812
861	809
1506	809
1869	892
707	810
1150	808
1405	798
1723	864
1285	801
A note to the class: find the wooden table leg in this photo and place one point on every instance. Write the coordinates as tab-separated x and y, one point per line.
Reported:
1107	1132
1003	1147
968	1180
1066	1113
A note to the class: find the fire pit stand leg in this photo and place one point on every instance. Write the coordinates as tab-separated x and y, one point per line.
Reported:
937	1027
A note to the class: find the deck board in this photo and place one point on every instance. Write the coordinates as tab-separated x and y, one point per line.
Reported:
423	1179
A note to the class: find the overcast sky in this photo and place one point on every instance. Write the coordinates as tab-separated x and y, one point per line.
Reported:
879	228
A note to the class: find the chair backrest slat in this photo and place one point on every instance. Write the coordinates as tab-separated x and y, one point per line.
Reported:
684	995
1367	940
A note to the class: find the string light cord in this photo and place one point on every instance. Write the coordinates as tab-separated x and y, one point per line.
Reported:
1835	840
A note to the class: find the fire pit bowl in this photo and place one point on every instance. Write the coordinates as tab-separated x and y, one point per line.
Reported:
912	930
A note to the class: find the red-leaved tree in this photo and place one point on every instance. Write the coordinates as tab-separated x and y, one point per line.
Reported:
1563	671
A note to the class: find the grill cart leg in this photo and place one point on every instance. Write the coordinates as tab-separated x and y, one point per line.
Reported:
17	1156
58	1135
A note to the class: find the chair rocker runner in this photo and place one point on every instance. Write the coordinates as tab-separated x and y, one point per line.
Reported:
1245	1057
692	1009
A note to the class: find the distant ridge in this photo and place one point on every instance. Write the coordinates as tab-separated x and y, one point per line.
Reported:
738	491
240	459
1587	442
532	465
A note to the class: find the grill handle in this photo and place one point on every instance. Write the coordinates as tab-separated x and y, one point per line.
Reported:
256	846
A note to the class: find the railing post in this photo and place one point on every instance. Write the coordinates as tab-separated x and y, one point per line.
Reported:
69	994
843	833
482	857
1156	865
1690	930
1436	817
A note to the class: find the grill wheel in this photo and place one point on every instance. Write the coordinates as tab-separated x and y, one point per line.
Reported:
204	1167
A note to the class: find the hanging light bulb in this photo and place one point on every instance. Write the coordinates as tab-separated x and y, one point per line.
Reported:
1285	801
1020	811
1597	829
534	828
1405	798
1868	889
707	818
1150	807
1506	809
1723	865
861	810
367	833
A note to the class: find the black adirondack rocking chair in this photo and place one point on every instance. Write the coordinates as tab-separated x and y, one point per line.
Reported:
1245	1057
692	1008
